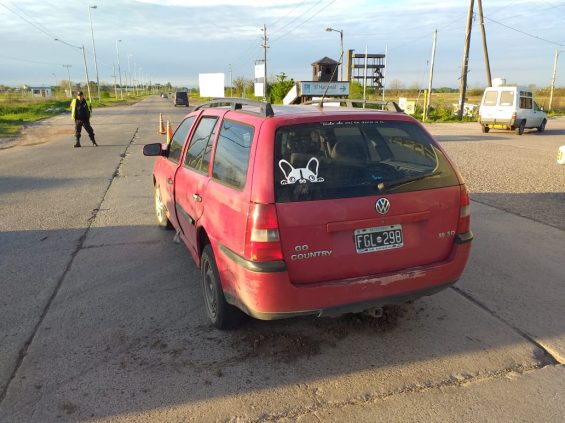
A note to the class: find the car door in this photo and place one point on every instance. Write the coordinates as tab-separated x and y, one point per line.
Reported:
538	114
192	179
165	173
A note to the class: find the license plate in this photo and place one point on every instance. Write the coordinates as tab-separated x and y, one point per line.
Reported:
378	238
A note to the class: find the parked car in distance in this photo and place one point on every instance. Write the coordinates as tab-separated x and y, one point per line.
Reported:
164	95
181	98
510	108
301	210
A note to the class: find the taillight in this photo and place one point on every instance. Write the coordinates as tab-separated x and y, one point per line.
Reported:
513	116
464	224
262	241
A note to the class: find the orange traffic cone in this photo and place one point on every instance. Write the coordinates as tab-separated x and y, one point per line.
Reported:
169	132
161	124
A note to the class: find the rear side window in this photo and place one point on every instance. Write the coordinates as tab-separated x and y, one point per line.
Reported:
179	138
490	98
342	159
506	98
526	102
200	148
231	158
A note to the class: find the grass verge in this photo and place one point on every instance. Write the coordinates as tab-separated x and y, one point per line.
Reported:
16	113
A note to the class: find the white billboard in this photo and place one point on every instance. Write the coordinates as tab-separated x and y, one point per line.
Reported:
211	84
258	89
260	71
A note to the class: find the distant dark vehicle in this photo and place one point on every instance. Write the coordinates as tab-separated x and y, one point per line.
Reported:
181	98
164	95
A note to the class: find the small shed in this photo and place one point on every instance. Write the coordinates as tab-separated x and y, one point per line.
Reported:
325	70
41	91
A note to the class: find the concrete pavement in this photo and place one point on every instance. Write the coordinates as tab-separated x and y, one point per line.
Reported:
112	310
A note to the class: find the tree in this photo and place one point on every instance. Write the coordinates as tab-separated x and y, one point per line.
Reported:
241	86
280	88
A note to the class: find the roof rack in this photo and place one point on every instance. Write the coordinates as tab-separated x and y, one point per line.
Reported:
265	109
390	106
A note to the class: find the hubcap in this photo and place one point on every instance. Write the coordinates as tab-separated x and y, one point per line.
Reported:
210	290
159	208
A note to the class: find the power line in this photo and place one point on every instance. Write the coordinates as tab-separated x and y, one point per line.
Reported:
36	26
246	56
288	13
29	16
525	33
298	17
30	61
39	27
304	21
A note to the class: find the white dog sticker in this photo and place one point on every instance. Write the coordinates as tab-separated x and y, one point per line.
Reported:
300	175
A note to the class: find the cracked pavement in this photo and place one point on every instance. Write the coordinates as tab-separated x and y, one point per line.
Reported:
102	320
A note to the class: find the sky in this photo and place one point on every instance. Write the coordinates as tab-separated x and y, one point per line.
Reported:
175	40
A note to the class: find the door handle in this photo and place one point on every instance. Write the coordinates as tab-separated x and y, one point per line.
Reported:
197	198
170	181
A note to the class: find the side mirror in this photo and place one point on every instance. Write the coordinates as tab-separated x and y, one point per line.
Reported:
155	149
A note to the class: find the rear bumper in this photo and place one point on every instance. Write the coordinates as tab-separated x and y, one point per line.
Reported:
498	123
271	295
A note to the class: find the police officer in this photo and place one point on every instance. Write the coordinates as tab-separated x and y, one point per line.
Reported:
80	112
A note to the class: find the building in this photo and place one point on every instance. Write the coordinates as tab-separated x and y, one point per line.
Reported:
39	91
325	70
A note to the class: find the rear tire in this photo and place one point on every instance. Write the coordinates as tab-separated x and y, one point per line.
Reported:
485	129
221	314
521	127
161	212
541	128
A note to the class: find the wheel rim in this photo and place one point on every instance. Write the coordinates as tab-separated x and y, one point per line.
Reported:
210	289
159	207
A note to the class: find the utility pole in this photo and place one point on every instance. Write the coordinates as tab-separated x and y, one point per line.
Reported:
231	88
94	51
129	72
465	65
115	86
86	73
384	74
69	77
485	49
265	47
427	105
119	69
365	78
553	78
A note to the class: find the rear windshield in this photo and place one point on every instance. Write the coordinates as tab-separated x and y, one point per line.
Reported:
506	98
490	98
181	95
344	159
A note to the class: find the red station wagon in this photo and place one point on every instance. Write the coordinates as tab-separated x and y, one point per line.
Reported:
302	210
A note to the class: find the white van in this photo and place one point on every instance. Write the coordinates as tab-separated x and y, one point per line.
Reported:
510	108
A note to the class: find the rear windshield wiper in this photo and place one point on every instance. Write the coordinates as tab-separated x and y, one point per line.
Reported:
382	186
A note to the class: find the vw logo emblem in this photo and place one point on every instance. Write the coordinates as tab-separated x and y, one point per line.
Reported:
382	206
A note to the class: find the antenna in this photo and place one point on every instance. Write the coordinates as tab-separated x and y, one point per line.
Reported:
321	106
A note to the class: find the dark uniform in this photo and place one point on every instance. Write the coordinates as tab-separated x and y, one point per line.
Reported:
80	112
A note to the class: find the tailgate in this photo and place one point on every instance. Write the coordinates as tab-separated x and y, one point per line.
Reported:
338	239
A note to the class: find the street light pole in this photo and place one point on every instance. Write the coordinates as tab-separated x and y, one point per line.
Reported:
119	69
341	50
94	51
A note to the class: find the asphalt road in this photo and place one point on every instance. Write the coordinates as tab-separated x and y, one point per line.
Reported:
102	320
